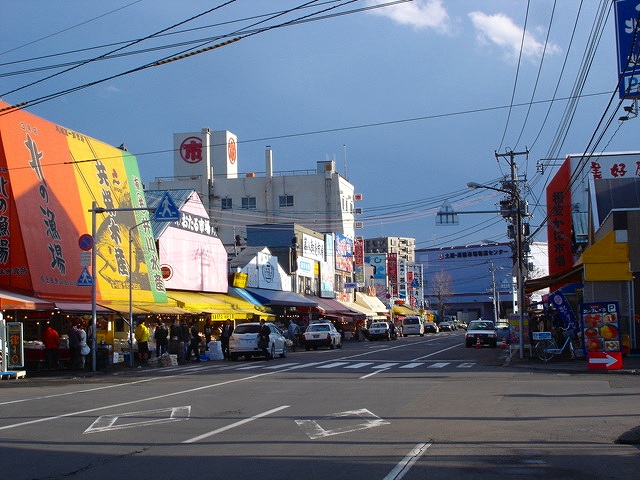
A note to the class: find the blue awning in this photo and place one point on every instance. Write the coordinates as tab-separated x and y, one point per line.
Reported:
278	297
244	295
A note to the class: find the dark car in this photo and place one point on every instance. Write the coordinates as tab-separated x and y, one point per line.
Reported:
431	327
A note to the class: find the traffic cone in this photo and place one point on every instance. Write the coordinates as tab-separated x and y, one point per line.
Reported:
504	344
478	344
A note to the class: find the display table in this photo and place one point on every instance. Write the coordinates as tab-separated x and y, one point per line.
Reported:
34	357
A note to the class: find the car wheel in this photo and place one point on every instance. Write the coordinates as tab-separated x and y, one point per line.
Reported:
332	345
284	351
233	356
422	334
307	348
339	345
467	344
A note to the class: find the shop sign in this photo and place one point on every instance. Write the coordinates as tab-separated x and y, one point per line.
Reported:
15	346
601	333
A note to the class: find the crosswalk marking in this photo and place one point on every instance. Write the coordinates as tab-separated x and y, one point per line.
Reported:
359	365
331	365
384	365
352	366
439	365
412	365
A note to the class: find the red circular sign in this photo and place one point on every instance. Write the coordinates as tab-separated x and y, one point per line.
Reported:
167	272
232	150
85	242
191	149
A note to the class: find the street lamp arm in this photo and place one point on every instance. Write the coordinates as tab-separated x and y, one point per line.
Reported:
474	185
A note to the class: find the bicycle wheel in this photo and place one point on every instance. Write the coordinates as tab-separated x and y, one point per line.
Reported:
540	348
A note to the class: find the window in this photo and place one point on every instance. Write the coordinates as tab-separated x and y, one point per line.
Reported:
249	203
227	204
286	200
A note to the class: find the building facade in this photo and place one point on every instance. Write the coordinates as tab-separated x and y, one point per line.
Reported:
319	199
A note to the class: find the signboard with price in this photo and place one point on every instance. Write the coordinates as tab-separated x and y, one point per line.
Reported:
601	333
15	347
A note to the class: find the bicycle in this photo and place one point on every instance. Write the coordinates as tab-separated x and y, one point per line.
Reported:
547	347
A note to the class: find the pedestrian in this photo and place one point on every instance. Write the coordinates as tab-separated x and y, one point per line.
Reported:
84	347
51	340
161	337
264	336
142	337
194	344
174	330
185	338
74	346
293	331
227	330
208	332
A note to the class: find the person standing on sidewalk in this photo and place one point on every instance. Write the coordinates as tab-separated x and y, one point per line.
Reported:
142	337
51	341
161	335
194	344
227	330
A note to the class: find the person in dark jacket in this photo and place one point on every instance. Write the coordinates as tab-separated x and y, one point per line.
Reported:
227	330
161	336
194	344
263	339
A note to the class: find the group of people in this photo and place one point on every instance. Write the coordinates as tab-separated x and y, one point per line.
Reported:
187	334
79	347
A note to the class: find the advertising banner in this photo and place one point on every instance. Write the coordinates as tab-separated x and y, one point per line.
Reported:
52	176
344	253
628	45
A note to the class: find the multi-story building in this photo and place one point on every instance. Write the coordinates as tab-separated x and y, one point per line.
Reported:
403	247
320	199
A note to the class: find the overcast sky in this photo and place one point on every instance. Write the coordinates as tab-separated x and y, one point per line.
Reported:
411	99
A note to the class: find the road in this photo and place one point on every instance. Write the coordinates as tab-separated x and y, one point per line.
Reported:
414	408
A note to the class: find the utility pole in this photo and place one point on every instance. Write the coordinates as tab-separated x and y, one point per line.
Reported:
519	210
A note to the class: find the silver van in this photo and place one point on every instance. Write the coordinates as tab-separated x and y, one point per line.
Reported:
412	325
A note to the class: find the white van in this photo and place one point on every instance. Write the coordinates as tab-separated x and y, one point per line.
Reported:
412	325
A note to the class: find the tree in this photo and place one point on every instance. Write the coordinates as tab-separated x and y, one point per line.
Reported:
442	290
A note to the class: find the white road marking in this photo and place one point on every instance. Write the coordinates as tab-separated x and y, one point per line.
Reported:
236	424
314	430
375	372
466	365
412	365
332	365
438	365
405	464
359	365
385	366
105	423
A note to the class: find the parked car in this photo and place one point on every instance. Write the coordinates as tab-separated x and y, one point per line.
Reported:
380	330
445	327
322	335
431	327
412	325
482	330
244	341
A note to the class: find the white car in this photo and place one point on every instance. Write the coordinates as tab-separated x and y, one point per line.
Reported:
483	331
381	330
244	341
322	335
412	325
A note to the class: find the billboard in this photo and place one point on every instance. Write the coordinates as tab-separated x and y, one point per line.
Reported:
51	178
628	46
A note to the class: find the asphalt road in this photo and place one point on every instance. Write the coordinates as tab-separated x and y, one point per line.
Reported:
414	408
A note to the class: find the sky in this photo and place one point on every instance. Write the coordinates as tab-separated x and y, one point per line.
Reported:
412	99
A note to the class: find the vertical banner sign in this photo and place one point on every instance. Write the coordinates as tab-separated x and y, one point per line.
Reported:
559	223
627	39
392	272
15	345
560	303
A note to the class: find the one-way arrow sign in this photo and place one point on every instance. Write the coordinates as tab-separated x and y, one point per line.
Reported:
604	361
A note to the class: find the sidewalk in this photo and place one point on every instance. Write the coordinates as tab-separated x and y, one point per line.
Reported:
630	364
